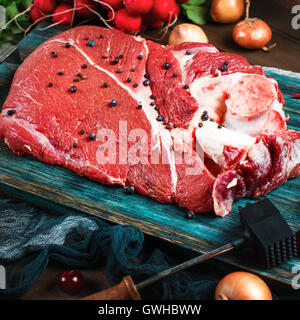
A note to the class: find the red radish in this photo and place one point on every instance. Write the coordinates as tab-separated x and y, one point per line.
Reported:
126	22
138	7
36	14
82	8
165	10
63	14
115	4
46	6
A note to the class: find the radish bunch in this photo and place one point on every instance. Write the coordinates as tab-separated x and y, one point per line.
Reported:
62	12
126	15
132	15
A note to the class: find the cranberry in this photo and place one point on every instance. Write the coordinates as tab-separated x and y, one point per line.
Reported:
71	282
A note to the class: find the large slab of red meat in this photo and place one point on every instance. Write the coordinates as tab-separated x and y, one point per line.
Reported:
185	124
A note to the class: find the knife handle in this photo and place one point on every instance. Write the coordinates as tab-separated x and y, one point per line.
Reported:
125	290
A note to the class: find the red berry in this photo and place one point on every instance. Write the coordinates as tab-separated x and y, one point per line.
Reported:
71	282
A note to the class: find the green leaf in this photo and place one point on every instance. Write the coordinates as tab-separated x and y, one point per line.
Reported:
15	30
198	15
193	3
11	10
26	3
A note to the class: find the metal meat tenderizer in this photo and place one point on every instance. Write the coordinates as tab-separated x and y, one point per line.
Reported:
264	228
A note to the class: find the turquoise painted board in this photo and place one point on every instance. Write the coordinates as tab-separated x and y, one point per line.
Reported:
56	187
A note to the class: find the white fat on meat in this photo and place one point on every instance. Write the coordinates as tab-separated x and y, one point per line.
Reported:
213	140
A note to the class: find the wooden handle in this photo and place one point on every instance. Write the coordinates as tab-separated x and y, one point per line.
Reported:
125	290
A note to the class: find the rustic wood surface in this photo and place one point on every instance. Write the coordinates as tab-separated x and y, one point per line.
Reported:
58	189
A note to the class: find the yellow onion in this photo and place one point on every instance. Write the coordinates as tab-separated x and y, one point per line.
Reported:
242	285
252	33
227	11
187	32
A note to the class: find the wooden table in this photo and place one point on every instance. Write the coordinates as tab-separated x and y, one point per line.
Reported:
284	56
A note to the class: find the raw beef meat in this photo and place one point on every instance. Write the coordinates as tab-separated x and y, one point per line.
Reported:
185	124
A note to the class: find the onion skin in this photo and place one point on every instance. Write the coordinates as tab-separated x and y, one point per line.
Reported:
187	32
242	285
227	11
252	33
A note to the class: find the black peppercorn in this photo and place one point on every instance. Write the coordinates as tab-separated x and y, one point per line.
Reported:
223	67
113	102
73	89
92	136
10	112
204	117
189	214
129	190
91	43
166	65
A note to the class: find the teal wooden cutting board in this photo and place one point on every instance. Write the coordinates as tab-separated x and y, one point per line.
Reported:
60	189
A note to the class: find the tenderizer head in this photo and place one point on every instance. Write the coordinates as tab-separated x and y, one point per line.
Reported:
268	231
